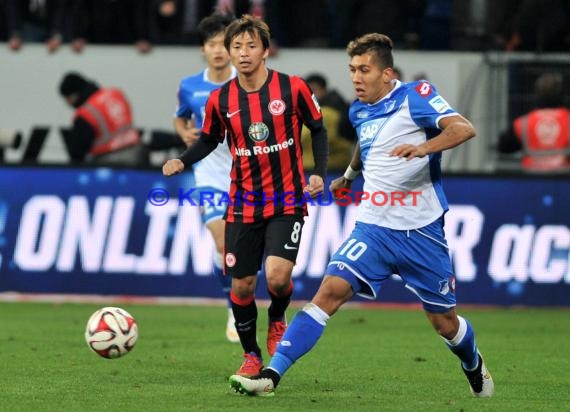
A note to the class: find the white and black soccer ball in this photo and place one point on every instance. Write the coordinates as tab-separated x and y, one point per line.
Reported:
111	332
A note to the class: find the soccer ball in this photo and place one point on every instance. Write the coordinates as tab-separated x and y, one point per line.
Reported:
111	332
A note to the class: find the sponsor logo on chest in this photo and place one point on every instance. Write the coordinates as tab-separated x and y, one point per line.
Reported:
369	130
263	150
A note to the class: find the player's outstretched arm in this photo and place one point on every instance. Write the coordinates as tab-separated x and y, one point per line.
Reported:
198	151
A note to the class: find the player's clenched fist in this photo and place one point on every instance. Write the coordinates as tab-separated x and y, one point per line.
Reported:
172	167
316	185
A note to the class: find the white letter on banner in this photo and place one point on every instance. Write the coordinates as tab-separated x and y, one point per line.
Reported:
153	259
463	227
116	260
191	235
543	269
510	251
84	234
41	222
323	232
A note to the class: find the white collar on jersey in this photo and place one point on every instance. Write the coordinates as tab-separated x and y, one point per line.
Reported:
396	84
207	79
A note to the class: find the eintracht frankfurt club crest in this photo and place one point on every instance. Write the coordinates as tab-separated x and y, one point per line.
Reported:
258	132
276	107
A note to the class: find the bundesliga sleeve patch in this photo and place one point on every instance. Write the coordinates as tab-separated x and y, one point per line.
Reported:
439	104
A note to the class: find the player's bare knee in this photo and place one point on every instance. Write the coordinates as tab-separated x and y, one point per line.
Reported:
278	278
332	294
279	284
327	303
447	331
244	288
445	324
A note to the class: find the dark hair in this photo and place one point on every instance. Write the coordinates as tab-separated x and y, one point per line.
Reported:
378	44
213	25
549	91
71	83
250	24
318	79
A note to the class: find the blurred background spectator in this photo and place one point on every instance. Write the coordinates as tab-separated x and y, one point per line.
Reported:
480	25
538	26
398	74
312	19
543	133
103	131
175	21
398	19
435	25
110	22
476	25
34	21
335	115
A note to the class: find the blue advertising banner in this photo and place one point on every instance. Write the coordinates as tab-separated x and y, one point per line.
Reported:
126	232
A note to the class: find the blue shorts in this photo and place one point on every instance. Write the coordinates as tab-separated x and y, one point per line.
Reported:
210	206
420	257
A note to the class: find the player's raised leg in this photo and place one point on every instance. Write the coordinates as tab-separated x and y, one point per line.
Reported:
428	273
459	337
301	336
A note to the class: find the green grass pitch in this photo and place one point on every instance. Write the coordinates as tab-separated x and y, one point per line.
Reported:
368	360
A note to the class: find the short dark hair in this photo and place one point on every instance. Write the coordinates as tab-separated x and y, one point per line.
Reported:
549	91
376	43
213	25
250	24
318	79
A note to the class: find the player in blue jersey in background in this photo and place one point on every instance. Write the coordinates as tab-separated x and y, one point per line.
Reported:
402	129
213	173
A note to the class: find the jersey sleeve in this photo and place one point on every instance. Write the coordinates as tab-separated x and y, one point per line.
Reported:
183	108
213	126
307	105
427	107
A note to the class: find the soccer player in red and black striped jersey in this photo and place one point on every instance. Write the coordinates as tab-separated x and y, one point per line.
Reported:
261	114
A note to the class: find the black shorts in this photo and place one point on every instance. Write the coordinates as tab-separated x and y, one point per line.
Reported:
247	243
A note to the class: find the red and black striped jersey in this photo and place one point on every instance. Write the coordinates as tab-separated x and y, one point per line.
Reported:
263	129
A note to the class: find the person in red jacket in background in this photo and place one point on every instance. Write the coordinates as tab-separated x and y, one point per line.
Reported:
543	134
103	131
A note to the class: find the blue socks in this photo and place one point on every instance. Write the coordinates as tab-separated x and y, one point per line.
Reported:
463	345
225	282
300	337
